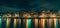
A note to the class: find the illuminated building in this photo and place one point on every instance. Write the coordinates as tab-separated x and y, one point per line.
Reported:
54	17
43	19
8	20
17	20
16	14
27	16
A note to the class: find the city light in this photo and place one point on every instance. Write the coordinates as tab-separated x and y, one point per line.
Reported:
43	19
28	23
36	23
8	23
14	23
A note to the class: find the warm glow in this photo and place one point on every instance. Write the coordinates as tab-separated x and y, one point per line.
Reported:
36	22
14	23
9	15
43	15
27	15
16	15
55	23
26	23
42	23
50	22
53	15
8	23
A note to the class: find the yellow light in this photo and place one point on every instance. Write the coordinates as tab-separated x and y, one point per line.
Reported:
8	23
43	23
14	23
26	23
54	23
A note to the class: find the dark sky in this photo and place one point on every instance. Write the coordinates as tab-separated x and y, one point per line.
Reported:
31	4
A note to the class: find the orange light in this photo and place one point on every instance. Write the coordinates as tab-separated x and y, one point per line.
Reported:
36	23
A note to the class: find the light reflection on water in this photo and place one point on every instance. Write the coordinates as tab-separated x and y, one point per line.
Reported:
29	21
0	21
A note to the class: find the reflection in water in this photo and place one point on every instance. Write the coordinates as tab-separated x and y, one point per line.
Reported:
8	23
42	23
36	23
59	23
23	23
18	23
28	23
50	22
14	23
55	23
0	21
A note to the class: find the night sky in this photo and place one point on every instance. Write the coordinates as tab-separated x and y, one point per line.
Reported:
29	4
